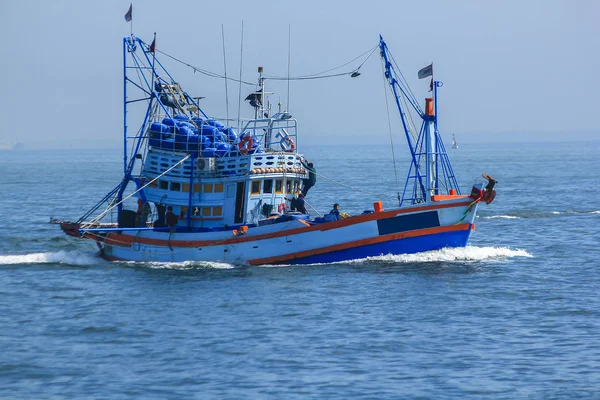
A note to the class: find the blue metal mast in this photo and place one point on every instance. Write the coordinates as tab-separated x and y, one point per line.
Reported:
430	171
151	74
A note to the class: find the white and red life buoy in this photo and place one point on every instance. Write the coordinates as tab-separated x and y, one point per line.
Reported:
245	144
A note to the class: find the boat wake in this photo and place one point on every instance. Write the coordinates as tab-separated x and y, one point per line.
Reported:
500	217
537	214
186	265
574	212
456	254
59	257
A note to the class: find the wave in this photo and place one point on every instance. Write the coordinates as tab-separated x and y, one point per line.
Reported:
574	212
461	254
515	214
60	257
185	265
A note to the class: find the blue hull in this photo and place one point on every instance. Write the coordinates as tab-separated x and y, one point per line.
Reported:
401	246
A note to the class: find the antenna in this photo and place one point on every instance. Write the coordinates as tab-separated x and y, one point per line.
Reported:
240	90
225	68
289	57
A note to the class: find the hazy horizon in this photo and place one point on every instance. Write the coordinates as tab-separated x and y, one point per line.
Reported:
512	71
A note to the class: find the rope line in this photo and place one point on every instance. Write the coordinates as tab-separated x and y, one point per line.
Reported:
387	109
99	217
351	187
468	210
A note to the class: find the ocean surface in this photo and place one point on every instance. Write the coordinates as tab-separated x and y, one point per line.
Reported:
516	314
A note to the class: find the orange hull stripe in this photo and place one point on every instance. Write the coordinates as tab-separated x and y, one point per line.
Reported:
442	197
119	239
359	243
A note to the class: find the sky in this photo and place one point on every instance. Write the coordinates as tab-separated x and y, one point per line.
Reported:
512	70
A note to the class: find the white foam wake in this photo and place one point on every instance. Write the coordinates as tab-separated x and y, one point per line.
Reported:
60	257
469	253
187	265
574	212
500	216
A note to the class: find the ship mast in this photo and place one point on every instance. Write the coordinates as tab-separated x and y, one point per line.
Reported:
430	172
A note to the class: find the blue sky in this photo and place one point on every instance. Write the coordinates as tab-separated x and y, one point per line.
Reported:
512	70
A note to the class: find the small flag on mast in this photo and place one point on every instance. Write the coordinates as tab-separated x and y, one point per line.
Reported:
431	85
427	71
152	46
129	12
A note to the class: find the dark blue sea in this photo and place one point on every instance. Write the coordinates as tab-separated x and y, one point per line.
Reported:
514	315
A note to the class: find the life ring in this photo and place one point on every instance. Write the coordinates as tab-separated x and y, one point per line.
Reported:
245	144
292	145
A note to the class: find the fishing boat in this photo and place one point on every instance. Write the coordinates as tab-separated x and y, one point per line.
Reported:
205	191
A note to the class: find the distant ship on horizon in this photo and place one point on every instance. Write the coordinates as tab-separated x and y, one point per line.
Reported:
454	144
12	146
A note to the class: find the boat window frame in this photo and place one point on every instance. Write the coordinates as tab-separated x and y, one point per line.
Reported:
268	189
288	186
255	185
279	182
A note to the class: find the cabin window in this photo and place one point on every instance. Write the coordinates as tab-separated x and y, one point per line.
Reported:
206	211
197	187
268	186
217	211
288	186
296	186
164	185
196	211
185	187
153	184
278	186
208	188
255	188
183	212
218	188
175	186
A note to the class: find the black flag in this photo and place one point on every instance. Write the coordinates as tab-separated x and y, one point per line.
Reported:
425	72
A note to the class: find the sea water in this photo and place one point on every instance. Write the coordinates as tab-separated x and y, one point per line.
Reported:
516	314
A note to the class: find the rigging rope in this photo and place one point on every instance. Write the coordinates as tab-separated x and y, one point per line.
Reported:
387	109
202	71
351	187
99	217
321	75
